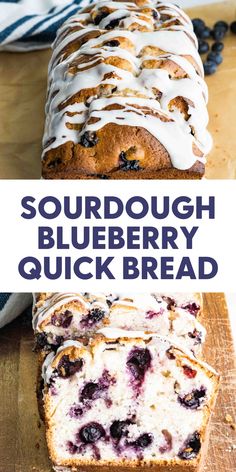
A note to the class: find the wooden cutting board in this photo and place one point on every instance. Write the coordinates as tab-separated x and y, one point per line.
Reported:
22	443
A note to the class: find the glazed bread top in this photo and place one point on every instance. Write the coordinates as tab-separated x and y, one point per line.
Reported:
130	73
127	400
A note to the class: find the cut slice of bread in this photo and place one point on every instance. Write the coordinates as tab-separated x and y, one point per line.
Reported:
122	402
62	316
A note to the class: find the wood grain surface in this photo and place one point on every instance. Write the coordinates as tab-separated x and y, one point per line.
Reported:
22	443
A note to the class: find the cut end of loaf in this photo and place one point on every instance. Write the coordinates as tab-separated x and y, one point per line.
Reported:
121	402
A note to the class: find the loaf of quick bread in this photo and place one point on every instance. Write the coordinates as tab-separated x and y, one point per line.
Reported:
126	95
124	402
61	316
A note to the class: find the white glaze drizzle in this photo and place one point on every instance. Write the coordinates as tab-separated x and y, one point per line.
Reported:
57	300
175	40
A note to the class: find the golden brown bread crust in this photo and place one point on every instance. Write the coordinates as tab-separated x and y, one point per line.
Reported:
119	151
73	161
165	467
195	173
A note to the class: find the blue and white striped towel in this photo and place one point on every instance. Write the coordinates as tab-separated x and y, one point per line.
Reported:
32	24
12	305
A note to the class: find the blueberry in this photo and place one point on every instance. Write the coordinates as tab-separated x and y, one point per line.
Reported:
89	391
114	23
119	428
58	341
209	67
89	139
193	308
128	165
194	399
62	320
233	27
91	433
122	156
66	368
204	33
106	380
95	315
218	34
131	165
94	390
196	335
155	14
114	43
138	363
198	24
221	25
143	441
215	57
191	447
41	340
100	17
217	46
203	47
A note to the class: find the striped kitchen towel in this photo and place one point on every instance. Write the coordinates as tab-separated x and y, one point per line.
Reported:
12	305
32	24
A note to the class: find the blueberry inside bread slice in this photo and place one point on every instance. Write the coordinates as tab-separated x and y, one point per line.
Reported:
62	316
122	401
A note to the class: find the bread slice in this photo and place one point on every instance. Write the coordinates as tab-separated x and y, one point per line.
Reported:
62	316
124	402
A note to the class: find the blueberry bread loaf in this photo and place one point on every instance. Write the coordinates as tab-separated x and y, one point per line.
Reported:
126	95
62	316
126	402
